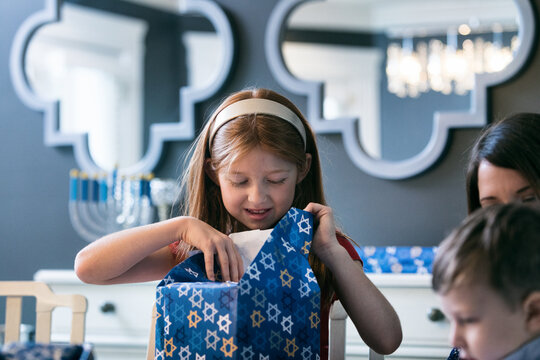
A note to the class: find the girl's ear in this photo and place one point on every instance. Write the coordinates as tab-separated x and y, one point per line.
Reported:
211	173
302	174
531	308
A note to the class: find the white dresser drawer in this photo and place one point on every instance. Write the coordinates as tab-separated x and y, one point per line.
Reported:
412	298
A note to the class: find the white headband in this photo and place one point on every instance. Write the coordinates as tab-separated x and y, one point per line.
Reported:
257	106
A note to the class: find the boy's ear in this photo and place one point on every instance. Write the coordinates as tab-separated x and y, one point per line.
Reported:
210	172
531	308
302	174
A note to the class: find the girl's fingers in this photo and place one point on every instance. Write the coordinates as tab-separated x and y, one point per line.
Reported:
209	264
236	265
233	261
223	259
240	263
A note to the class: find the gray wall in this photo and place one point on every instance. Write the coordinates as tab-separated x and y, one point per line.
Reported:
35	231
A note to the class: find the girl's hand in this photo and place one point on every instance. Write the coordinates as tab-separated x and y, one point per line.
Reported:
324	240
214	243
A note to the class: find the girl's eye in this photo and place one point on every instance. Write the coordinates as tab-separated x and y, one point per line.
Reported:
239	183
279	181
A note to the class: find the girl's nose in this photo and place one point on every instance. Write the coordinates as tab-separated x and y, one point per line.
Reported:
257	194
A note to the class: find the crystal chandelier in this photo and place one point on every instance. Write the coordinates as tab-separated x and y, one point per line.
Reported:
445	68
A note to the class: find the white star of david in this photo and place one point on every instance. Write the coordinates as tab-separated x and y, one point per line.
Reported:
310	276
253	271
286	324
192	272
209	316
293	213
306	353
200	357
267	261
196	298
167	327
211	339
224	323
159	296
273	312
287	245
304	289
184	353
159	355
245	287
168	280
305	229
183	290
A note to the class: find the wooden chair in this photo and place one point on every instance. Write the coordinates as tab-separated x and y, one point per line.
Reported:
338	326
336	351
46	301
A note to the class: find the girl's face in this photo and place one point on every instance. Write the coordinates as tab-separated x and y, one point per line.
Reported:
497	185
258	188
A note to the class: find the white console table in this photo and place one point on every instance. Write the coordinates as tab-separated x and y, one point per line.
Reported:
425	330
118	318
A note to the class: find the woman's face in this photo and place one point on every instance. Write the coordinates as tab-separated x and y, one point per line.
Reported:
498	185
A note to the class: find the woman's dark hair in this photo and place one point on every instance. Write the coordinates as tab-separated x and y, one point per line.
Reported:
513	143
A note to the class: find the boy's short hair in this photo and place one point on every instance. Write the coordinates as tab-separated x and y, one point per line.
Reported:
499	245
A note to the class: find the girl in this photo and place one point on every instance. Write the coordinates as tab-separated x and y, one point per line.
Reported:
505	162
254	159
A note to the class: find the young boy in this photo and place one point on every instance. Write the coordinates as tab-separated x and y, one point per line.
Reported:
487	274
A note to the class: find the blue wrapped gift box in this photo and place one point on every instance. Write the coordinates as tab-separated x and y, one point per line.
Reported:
272	313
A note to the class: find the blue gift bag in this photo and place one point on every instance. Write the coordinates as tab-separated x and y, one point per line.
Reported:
272	313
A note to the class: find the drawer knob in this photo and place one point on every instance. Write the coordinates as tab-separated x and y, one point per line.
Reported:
108	308
435	314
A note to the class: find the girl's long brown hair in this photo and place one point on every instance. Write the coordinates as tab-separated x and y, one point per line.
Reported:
201	197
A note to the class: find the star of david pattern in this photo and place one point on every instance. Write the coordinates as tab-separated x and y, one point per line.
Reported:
272	313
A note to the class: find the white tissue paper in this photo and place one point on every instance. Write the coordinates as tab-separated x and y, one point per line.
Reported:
249	243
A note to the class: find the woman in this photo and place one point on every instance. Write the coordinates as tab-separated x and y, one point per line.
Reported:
505	162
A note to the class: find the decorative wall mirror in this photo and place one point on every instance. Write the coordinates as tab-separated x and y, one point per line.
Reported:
117	79
347	93
397	74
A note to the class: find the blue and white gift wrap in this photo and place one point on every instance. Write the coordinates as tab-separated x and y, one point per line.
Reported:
397	259
272	313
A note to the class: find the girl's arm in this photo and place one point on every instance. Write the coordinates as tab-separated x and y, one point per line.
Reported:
142	253
375	319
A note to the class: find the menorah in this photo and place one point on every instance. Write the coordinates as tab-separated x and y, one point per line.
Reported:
106	203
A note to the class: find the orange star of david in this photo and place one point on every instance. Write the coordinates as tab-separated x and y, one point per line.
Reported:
290	343
193	318
305	249
231	349
314	318
172	347
257	318
287	281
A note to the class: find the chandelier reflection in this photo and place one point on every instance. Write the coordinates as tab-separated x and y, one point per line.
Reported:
446	68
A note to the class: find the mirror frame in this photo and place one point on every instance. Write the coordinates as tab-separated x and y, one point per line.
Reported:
184	129
443	121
